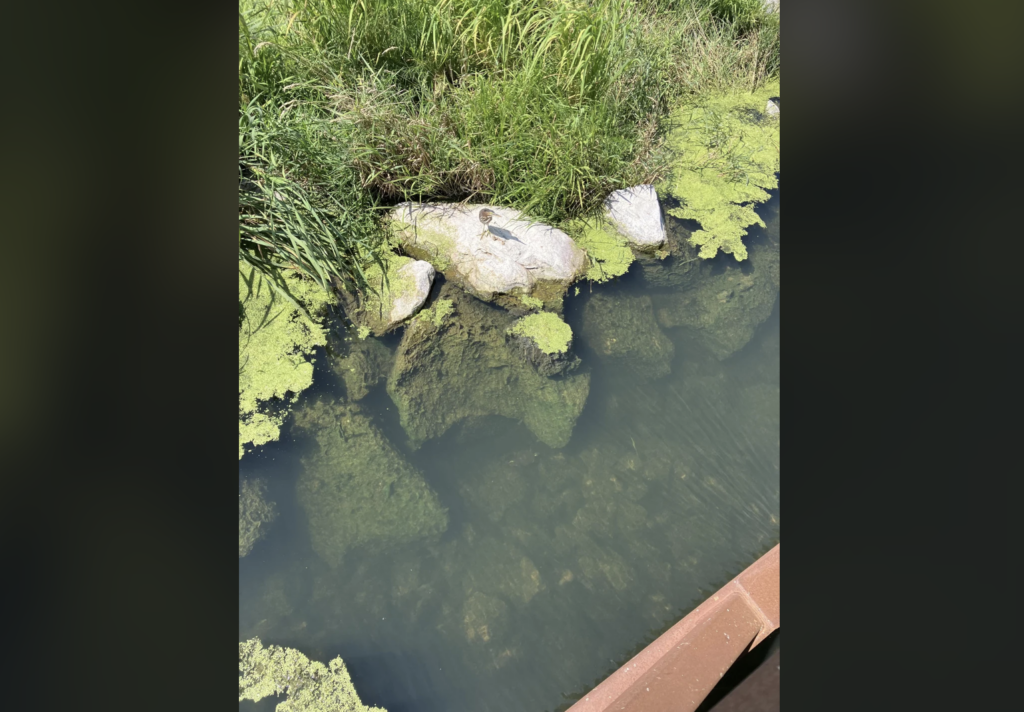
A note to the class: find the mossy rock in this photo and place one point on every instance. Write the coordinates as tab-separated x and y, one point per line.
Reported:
723	310
357	490
366	363
395	293
622	329
545	341
462	369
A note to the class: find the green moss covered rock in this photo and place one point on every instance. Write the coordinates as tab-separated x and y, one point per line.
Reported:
366	363
309	686
723	310
608	252
396	292
726	155
275	345
622	329
356	489
463	369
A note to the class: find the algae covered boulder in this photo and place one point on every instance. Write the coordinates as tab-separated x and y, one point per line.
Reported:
366	363
309	686
723	310
545	341
356	489
622	329
255	513
462	368
396	292
508	257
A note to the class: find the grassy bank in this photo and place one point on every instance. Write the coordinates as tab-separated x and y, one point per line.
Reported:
347	108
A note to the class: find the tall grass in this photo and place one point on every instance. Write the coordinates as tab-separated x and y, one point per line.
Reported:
349	106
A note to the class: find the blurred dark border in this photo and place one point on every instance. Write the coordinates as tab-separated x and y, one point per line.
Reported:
901	258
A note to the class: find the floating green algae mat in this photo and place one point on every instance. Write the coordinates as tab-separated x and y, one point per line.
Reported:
309	686
275	345
726	155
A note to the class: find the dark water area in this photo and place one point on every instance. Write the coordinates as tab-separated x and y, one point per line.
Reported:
557	564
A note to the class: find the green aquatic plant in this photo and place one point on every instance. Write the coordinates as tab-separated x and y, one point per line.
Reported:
275	345
548	331
609	253
726	156
310	686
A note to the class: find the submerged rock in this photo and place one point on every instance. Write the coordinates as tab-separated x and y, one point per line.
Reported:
545	341
505	259
367	362
357	490
461	368
622	328
723	310
254	514
636	214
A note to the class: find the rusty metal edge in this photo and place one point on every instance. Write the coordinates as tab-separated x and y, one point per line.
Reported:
757	587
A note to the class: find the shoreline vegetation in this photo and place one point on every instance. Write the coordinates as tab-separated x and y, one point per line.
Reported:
349	108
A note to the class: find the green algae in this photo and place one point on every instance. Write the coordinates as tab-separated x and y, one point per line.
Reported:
440	311
275	344
254	514
357	489
609	253
309	686
463	368
726	157
531	302
548	331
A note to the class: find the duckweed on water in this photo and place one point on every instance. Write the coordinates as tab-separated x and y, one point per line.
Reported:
275	343
610	255
309	685
726	157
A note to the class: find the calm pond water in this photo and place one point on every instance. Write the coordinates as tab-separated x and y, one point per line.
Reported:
557	565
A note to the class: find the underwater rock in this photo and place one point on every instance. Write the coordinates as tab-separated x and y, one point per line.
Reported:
254	514
462	368
505	259
393	296
636	214
622	328
484	617
367	362
357	490
724	309
500	569
545	341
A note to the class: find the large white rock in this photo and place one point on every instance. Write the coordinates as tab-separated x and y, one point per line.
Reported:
417	276
636	214
509	255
